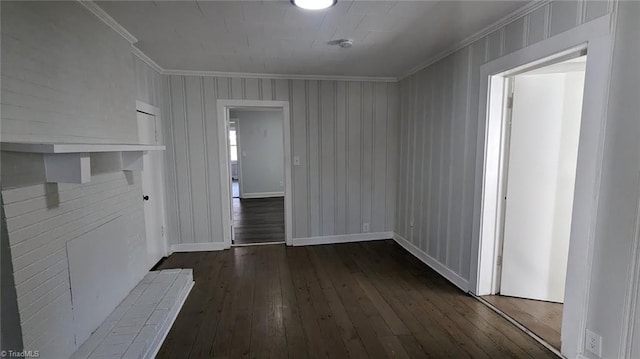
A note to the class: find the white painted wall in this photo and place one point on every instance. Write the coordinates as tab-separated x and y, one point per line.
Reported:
345	134
59	81
617	231
609	298
439	180
543	153
262	152
66	77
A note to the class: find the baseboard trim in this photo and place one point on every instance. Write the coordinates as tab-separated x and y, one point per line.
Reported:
450	275
261	195
344	238
198	247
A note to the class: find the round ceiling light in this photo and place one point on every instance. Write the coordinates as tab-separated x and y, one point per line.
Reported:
314	4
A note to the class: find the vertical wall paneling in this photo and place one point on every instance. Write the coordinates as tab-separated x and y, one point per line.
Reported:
536	26
345	134
252	89
315	201
200	220
181	149
515	35
379	148
564	16
354	141
300	173
327	153
366	157
392	165
211	155
434	241
439	179
425	188
340	158
173	230
418	142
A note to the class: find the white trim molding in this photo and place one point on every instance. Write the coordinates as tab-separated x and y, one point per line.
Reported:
223	107
108	20
595	36
147	108
198	247
342	238
632	297
146	59
452	276
253	75
262	195
517	14
115	25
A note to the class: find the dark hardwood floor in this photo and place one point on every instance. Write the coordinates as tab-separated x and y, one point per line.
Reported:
258	220
355	300
542	318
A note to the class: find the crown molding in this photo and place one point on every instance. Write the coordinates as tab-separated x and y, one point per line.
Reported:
146	59
519	13
252	75
107	19
113	24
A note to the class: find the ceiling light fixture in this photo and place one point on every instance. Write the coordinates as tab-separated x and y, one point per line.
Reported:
314	4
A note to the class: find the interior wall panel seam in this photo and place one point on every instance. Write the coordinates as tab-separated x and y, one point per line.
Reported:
206	160
188	159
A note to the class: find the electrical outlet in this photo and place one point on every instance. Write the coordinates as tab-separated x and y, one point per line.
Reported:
365	227
594	343
296	160
281	183
411	223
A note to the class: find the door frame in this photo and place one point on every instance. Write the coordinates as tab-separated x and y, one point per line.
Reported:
594	37
157	113
223	107
239	153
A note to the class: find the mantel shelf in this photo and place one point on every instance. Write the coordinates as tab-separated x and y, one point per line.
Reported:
33	147
71	162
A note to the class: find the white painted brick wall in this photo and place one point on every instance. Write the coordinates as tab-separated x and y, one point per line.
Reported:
66	77
39	250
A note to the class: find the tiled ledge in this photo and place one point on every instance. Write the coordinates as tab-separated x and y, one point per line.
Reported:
138	326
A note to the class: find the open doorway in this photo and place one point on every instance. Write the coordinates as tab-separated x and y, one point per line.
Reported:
542	111
256	149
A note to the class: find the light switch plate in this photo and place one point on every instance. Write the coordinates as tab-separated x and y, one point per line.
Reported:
296	160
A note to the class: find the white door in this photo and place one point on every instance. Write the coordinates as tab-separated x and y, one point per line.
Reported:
540	185
152	179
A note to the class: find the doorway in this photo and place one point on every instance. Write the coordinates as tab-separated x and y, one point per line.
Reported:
256	137
256	170
542	111
152	177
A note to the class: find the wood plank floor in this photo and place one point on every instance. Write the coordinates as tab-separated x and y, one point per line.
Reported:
542	318
258	220
355	300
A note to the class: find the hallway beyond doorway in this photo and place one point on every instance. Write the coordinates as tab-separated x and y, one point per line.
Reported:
258	220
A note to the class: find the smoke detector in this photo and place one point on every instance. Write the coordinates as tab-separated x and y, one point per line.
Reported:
344	43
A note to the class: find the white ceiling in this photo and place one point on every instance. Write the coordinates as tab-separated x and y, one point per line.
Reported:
390	37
